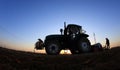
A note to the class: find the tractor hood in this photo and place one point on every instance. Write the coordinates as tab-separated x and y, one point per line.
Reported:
53	36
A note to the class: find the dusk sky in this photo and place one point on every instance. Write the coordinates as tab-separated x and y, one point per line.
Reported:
22	22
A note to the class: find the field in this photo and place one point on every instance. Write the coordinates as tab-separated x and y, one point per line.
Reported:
20	60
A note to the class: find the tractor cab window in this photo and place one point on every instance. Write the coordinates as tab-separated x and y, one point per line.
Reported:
74	29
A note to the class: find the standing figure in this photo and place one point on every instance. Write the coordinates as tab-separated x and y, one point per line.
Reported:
107	45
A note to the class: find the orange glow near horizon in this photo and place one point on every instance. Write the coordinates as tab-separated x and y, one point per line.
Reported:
30	46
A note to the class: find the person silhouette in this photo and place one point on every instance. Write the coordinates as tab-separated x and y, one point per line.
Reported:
107	45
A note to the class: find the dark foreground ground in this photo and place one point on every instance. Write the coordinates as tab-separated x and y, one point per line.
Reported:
17	60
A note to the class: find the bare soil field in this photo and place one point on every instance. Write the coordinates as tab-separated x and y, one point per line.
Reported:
20	60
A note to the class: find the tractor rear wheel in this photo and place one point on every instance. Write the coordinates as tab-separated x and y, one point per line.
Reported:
52	48
84	45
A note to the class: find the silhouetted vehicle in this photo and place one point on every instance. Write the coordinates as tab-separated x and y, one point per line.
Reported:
73	38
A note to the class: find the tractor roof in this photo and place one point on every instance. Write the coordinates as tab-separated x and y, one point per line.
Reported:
74	25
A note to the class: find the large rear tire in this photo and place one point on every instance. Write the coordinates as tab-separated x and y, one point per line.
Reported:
84	45
53	48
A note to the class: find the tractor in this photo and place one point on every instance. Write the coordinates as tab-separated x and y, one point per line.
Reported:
72	37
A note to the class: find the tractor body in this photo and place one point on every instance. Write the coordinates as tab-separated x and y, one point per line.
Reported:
72	37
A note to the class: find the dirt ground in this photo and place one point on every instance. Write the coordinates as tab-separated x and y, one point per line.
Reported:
19	60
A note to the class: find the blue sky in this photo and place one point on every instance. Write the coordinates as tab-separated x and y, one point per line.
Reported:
22	22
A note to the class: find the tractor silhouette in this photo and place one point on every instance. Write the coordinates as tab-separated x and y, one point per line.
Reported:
72	37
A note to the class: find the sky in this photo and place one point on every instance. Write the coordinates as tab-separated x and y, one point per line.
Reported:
22	22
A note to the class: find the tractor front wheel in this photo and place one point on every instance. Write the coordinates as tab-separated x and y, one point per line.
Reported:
52	48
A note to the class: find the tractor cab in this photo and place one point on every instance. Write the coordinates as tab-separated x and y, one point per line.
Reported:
73	30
